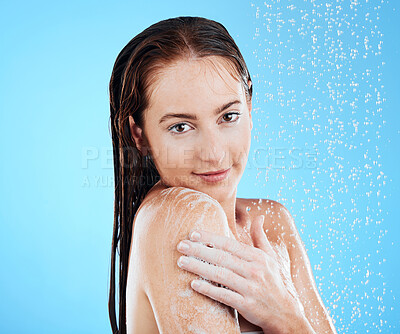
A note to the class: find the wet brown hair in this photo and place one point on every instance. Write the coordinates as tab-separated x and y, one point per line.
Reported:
134	72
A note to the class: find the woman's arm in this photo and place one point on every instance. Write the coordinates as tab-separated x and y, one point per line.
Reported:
301	271
161	224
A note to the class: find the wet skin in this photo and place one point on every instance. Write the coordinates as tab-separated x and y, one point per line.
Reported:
264	263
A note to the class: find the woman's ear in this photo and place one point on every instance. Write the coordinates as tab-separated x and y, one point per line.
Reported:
137	135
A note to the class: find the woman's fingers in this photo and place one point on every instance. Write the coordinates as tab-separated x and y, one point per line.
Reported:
227	244
223	295
257	231
213	273
258	236
215	256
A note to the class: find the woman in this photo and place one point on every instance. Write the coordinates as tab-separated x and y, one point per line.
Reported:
180	97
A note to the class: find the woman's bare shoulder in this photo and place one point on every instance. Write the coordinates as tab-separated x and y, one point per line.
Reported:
271	206
162	222
175	204
279	224
177	195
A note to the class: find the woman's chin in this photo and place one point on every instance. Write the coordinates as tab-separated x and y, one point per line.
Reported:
218	189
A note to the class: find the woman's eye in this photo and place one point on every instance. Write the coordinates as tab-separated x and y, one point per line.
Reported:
178	127
229	117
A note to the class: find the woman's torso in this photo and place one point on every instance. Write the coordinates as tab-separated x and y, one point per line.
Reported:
247	210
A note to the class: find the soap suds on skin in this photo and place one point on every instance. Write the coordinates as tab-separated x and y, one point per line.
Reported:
159	210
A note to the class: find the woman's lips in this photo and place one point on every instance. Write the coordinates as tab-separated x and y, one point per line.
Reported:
215	176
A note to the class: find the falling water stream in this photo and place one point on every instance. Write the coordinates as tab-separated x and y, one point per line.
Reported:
319	126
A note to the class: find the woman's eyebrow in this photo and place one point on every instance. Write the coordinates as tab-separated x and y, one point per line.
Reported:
193	117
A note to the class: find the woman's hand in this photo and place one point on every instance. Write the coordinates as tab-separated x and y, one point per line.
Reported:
258	286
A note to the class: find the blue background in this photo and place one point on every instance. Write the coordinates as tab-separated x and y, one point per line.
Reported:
325	144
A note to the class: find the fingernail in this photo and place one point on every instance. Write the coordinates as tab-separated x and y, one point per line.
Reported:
195	236
183	246
195	284
182	261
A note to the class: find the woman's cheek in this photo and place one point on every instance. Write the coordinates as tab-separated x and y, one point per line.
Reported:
243	147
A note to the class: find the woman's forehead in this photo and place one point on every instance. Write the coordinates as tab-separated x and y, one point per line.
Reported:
213	64
193	86
202	74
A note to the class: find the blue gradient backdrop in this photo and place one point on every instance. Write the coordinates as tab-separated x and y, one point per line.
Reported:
326	144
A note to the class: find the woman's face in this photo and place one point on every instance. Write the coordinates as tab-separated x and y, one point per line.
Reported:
199	122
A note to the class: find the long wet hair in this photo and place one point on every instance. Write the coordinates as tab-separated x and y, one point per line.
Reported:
135	70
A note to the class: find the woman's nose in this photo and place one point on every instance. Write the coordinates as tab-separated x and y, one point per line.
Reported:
211	149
